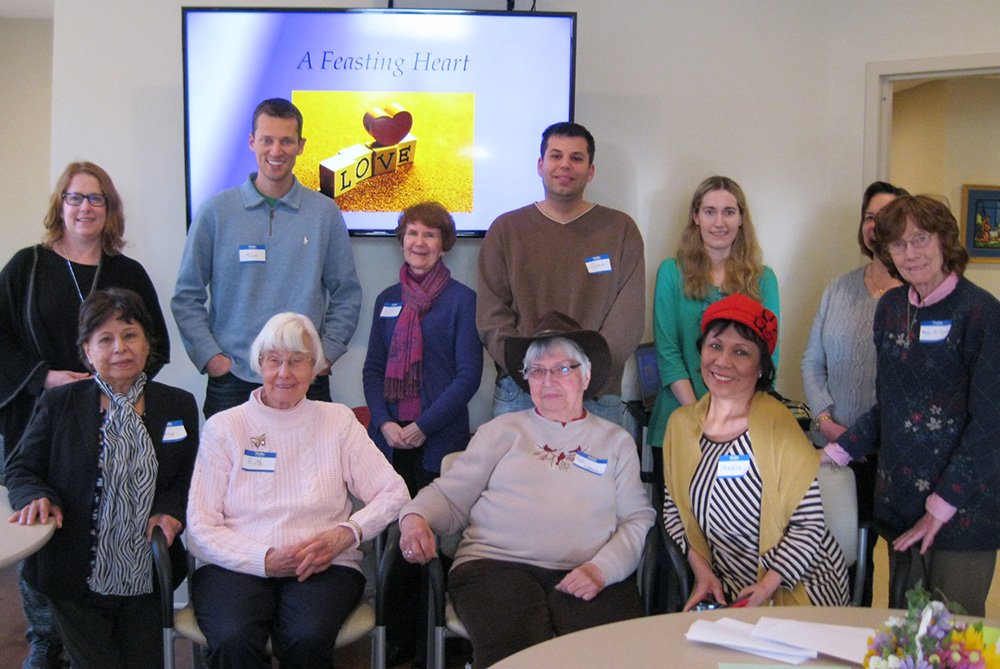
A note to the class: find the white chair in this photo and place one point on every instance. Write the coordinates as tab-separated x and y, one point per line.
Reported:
840	510
365	620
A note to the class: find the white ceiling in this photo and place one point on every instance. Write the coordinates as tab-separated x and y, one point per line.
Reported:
26	9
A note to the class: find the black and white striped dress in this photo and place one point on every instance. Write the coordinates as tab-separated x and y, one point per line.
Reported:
728	512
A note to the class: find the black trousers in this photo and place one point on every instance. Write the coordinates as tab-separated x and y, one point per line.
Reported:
112	632
238	612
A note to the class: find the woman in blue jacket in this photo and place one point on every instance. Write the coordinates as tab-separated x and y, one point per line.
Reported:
424	364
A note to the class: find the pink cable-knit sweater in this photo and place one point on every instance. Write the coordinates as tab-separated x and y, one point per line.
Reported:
321	453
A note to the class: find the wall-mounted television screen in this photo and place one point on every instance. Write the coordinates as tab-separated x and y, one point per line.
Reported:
399	106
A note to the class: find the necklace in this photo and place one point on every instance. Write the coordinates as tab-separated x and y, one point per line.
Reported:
93	284
870	281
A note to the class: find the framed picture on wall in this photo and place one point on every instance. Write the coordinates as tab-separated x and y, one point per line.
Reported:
980	222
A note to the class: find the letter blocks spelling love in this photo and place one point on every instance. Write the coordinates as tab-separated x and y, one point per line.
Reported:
393	145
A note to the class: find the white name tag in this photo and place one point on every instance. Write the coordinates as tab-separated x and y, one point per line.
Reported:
258	461
732	466
175	431
599	264
391	309
589	463
934	331
253	253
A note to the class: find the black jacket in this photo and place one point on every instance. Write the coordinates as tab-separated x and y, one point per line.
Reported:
57	459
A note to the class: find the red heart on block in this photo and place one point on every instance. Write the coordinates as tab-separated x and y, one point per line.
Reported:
390	125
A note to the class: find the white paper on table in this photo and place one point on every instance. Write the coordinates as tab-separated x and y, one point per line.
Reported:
840	641
736	635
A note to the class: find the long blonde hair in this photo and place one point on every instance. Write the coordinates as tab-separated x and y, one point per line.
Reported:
744	266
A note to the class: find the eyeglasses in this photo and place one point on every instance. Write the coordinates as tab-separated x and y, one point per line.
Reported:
76	199
539	373
920	241
295	363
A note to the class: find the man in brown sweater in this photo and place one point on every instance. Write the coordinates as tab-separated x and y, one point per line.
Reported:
564	254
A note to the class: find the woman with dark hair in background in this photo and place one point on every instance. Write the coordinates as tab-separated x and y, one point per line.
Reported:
718	256
838	366
106	459
41	290
936	419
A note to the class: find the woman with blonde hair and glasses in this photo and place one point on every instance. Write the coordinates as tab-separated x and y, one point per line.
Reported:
718	256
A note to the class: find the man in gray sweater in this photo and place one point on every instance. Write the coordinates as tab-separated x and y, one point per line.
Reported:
268	246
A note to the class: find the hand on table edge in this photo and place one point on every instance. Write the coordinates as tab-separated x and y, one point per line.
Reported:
41	509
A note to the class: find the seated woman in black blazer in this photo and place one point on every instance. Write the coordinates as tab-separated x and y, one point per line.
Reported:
107	459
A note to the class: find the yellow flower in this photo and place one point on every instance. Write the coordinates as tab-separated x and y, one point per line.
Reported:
971	638
973	641
991	658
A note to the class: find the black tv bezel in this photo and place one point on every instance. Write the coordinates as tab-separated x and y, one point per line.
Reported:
357	10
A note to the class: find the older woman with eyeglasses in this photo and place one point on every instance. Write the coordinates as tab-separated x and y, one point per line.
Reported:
553	511
107	459
270	512
41	290
937	342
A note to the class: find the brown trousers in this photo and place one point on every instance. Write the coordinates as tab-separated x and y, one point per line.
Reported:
509	606
963	576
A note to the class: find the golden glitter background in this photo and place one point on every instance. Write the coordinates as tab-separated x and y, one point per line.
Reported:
442	170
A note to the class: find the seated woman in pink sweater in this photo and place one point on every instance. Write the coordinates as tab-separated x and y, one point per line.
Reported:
269	514
555	515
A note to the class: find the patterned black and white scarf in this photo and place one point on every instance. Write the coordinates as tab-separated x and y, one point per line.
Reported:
123	558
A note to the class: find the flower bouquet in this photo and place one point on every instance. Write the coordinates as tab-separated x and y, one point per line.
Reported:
929	637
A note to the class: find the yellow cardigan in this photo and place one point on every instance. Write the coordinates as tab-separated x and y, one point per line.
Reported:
788	464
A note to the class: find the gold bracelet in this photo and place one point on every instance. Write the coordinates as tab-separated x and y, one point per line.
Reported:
355	529
823	418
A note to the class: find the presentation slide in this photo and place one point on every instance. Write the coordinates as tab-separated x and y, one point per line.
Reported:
399	107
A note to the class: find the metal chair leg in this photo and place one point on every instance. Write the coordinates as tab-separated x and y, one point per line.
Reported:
860	566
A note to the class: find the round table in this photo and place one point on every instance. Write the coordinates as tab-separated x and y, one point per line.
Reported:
19	541
658	641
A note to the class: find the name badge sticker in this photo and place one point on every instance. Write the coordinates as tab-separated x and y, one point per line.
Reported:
732	466
934	331
258	461
175	432
391	309
253	253
590	463
599	264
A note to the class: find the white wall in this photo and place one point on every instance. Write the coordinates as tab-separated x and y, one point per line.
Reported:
25	127
769	92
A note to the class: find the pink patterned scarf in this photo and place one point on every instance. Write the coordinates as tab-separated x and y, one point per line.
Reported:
403	369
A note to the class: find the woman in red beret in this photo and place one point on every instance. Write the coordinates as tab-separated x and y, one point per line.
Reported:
742	499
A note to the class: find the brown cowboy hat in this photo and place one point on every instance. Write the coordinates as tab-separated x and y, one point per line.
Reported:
556	324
